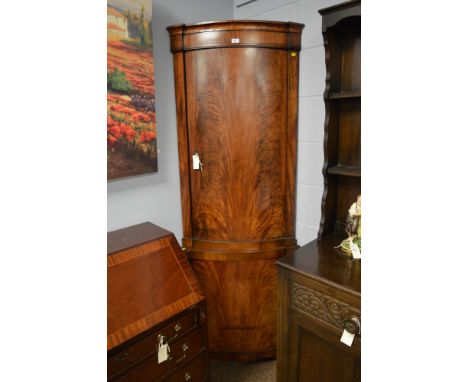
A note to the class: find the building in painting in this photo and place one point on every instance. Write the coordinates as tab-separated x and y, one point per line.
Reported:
116	24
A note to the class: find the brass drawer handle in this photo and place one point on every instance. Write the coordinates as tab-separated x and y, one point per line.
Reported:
121	358
352	325
185	347
177	328
188	376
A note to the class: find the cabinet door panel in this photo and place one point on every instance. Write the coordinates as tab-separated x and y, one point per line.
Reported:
236	108
315	359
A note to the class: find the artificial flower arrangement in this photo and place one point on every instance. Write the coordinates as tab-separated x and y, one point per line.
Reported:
353	228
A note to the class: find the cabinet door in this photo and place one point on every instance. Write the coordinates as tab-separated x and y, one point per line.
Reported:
319	356
237	110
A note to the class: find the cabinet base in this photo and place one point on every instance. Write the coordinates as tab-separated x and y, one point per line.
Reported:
257	356
241	295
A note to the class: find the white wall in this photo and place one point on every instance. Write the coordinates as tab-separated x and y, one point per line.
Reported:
311	105
156	197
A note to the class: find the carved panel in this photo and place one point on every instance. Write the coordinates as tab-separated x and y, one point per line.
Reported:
321	306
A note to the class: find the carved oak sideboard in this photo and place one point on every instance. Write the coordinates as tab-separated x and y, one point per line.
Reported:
319	297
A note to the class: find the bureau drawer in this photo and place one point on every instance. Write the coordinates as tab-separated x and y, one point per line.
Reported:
193	372
172	332
180	352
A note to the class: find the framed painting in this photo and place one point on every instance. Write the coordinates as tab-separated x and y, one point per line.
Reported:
131	117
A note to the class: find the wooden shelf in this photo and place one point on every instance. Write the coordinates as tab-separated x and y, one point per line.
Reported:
345	170
342	149
343	95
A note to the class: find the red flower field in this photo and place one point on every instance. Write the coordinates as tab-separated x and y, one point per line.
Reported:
131	119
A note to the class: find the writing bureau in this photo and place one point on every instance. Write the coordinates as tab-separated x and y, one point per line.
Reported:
320	287
153	297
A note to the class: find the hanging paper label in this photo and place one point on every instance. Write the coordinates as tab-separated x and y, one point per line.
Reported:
163	351
347	338
196	162
356	251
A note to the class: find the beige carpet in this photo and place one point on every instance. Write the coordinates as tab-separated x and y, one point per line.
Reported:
229	371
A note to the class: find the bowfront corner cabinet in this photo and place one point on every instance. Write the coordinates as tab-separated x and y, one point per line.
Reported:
153	296
319	287
236	85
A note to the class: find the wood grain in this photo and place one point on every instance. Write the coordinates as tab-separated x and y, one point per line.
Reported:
245	318
125	238
320	289
182	140
152	294
240	193
239	107
342	143
266	34
139	297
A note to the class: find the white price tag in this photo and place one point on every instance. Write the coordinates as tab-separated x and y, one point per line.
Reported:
235	41
163	351
196	161
347	338
356	251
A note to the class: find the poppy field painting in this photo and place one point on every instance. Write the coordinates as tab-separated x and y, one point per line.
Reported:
131	116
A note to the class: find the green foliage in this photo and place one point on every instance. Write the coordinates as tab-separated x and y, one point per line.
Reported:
117	81
139	28
142	26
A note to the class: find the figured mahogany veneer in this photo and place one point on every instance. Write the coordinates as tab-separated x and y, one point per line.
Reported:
152	292
236	95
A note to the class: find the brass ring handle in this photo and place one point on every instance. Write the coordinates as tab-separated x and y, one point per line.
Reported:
185	347
121	358
177	328
202	316
352	325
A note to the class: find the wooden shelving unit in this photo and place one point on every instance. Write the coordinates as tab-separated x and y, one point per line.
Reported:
345	170
320	288
345	95
342	146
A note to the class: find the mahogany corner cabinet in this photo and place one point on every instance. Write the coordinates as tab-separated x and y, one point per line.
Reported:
236	87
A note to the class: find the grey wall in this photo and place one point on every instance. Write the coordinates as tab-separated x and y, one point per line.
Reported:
156	197
311	105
